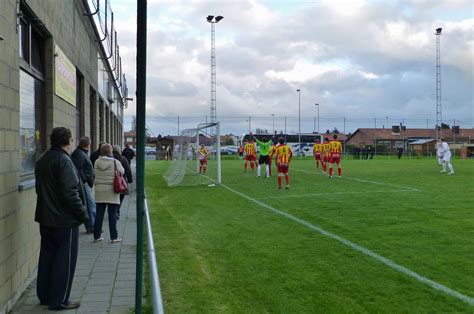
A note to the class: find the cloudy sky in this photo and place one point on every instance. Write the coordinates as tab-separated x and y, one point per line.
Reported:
359	59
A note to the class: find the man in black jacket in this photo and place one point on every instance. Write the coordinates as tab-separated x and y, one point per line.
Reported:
95	155
128	153
86	173
60	210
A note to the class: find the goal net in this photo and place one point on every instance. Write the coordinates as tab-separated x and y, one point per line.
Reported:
188	166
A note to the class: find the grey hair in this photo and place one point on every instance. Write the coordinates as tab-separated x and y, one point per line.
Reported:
84	141
117	149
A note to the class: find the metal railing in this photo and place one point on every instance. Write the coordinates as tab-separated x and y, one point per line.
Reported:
155	280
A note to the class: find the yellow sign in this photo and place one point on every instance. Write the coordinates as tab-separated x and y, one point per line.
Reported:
65	77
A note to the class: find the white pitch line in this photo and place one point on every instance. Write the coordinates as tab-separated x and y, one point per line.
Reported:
365	181
363	250
335	193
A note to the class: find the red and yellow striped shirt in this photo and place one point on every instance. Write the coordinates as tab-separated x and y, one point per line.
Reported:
283	154
272	151
317	148
335	147
326	149
203	152
249	149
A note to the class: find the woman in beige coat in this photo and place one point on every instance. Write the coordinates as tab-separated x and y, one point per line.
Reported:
105	196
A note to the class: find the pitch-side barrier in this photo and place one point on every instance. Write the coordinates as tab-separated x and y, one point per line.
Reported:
155	279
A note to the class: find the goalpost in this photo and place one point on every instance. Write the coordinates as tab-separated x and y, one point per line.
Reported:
184	166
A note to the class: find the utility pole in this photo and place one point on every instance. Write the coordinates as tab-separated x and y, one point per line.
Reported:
299	120
273	118
454	137
317	105
439	117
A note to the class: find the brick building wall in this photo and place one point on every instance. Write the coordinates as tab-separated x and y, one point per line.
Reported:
65	26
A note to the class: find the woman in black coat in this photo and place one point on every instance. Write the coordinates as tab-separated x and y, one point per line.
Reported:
128	171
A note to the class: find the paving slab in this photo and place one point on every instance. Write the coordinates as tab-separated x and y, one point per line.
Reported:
104	280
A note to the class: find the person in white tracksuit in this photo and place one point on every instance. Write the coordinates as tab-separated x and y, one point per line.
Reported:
439	153
446	157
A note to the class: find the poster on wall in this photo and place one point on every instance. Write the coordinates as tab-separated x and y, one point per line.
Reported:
64	78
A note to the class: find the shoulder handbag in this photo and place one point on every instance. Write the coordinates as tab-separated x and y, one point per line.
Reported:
120	184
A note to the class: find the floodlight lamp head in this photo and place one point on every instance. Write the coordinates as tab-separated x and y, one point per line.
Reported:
209	18
298	90
218	18
438	31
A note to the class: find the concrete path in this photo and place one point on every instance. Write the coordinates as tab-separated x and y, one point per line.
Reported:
104	281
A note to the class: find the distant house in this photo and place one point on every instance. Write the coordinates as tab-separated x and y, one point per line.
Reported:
229	138
130	138
396	137
422	147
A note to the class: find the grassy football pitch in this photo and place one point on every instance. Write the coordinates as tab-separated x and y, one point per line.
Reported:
389	236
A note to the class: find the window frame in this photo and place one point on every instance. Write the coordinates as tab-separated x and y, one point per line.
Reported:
28	68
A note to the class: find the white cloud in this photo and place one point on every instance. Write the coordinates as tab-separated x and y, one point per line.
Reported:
361	59
302	72
369	75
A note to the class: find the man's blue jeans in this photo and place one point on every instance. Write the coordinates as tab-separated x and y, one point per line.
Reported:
90	207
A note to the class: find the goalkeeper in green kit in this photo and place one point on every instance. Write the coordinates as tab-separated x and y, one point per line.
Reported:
264	148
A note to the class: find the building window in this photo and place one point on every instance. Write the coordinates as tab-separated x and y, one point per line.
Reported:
107	125
27	123
79	106
129	139
32	101
36	51
101	120
24	41
92	117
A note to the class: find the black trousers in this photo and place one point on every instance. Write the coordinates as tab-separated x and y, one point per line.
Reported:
122	196
99	219
57	264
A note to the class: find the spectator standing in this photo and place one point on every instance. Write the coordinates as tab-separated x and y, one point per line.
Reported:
400	152
95	155
128	153
364	152
60	209
105	196
128	172
86	173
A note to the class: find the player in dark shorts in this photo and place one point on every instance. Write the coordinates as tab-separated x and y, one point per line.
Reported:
264	147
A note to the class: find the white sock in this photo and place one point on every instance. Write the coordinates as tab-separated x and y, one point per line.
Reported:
258	171
444	167
267	170
450	167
